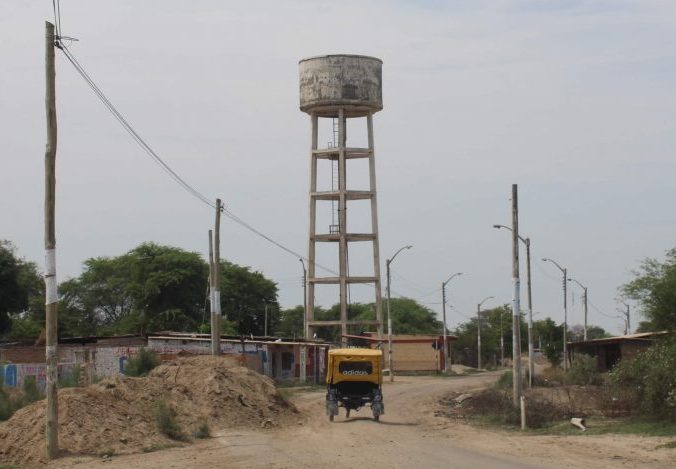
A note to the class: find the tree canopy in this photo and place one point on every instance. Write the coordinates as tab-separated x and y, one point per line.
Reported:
654	287
21	293
155	287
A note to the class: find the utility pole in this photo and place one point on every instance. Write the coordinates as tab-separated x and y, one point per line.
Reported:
516	303
564	271
531	362
447	365
305	329
478	335
212	295
51	297
390	361
584	289
265	330
502	343
531	357
627	315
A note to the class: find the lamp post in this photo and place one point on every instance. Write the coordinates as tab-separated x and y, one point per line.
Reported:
531	361
585	306
305	330
443	303
478	327
627	328
389	316
564	271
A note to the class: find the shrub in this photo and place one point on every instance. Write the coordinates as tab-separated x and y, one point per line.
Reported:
141	363
583	371
165	417
498	406
652	376
202	431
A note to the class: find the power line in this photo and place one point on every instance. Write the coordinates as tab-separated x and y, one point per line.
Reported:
601	312
160	162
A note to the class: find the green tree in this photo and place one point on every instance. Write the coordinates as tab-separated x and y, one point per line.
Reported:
21	294
291	322
244	296
550	335
495	323
654	287
154	287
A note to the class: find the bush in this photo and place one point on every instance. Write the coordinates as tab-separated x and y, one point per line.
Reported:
583	371
498	406
202	431
165	417
652	376
141	363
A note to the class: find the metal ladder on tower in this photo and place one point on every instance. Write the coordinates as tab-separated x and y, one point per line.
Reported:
334	228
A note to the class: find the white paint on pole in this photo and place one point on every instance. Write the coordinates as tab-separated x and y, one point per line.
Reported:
51	293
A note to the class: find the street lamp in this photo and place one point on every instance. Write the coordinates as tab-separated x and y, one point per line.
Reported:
585	306
565	310
478	326
531	361
443	302
389	316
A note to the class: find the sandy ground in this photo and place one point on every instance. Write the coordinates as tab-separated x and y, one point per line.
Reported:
408	436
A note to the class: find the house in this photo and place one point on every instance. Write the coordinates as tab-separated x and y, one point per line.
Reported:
609	350
412	352
92	358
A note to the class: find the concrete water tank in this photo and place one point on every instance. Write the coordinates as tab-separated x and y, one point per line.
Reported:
351	82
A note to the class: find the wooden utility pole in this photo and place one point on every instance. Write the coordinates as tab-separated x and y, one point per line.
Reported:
216	283
516	303
51	297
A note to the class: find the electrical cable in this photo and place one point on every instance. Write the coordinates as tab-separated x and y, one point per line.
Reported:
163	165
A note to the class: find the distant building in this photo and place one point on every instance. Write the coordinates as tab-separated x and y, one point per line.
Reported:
413	352
100	357
608	351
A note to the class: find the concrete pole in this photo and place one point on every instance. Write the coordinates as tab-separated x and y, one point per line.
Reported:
502	343
531	360
478	336
310	296
51	298
565	319
516	303
628	317
374	224
265	329
390	359
585	313
443	327
390	362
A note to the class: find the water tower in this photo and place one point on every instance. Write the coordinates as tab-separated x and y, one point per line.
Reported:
341	87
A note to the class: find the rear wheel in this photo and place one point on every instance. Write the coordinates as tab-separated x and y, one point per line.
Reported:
347	413
376	417
331	418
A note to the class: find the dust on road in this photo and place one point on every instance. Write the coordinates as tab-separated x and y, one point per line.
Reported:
408	436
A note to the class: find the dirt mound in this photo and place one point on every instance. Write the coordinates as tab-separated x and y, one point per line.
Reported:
117	415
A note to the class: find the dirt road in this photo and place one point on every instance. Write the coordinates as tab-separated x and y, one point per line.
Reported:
408	436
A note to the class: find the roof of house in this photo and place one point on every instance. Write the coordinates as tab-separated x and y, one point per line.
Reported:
639	337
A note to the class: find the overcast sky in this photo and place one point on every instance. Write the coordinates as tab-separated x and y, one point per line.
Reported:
573	100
